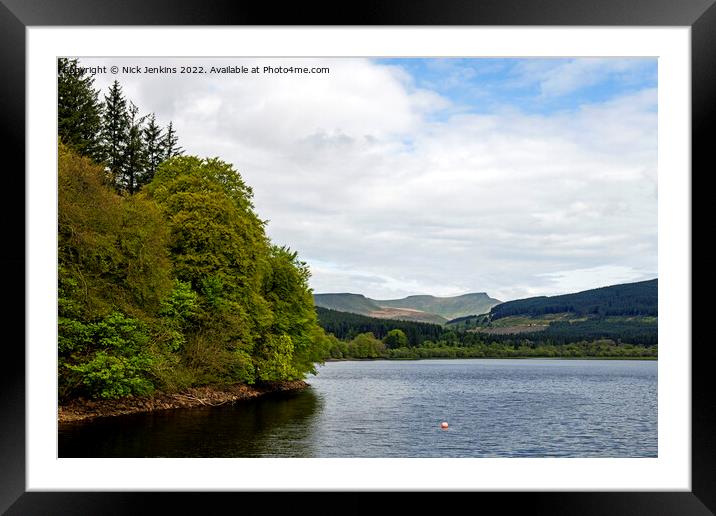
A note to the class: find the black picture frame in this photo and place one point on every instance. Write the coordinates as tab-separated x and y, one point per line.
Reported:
17	15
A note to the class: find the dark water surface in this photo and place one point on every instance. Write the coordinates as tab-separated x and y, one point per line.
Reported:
495	408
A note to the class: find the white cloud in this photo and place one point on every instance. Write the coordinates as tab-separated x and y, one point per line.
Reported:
557	77
352	171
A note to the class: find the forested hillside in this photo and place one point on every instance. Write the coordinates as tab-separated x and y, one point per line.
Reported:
629	299
166	278
347	326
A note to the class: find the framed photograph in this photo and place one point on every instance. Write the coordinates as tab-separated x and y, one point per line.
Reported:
233	201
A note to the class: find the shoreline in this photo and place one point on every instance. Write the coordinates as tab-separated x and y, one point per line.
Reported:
82	409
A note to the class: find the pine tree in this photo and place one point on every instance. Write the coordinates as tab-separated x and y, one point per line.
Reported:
135	153
171	148
115	133
154	145
79	112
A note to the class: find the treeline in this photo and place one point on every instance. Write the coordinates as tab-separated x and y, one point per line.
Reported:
630	299
641	332
593	349
110	130
347	326
169	282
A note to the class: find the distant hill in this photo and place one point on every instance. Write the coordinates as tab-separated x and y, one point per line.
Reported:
629	299
623	313
448	307
352	303
429	309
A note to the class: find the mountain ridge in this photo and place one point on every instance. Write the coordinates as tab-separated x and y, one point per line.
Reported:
419	307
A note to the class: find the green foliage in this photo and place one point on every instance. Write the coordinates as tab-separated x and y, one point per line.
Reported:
112	251
526	349
176	286
274	359
345	326
366	345
111	376
637	330
395	339
603	348
181	304
109	357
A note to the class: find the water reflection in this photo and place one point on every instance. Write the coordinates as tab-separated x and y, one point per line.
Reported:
279	425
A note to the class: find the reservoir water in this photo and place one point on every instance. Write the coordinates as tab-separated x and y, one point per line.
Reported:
495	408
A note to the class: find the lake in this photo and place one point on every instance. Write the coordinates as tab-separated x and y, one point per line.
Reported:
494	408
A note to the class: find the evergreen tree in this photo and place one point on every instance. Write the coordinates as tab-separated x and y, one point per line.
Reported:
170	142
79	112
115	132
154	146
135	155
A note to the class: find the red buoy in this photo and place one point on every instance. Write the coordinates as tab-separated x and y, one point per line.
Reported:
443	424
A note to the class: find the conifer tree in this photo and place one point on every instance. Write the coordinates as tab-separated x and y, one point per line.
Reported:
79	112
154	146
135	154
115	133
171	140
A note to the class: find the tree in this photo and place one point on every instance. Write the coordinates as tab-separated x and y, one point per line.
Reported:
365	345
115	133
134	164
219	248
395	339
154	147
79	112
285	287
170	142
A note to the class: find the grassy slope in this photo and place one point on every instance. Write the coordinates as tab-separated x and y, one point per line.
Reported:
352	303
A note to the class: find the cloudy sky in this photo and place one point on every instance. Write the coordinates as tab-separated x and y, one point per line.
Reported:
392	177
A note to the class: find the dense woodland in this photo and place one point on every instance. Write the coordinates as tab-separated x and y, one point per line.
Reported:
166	278
630	299
346	326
